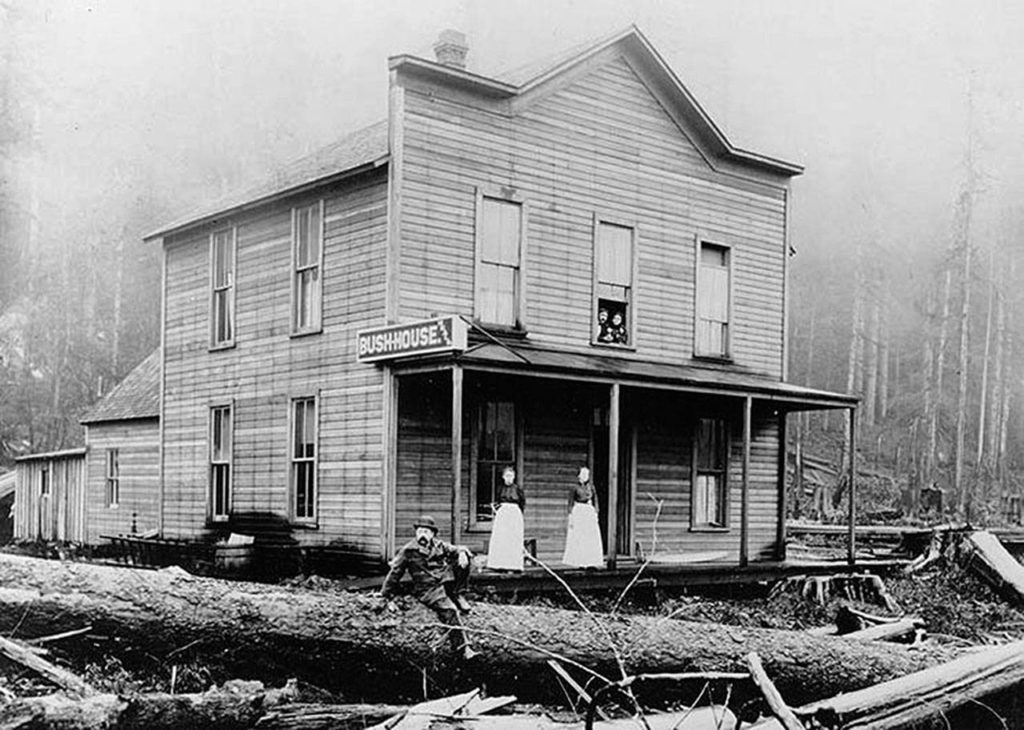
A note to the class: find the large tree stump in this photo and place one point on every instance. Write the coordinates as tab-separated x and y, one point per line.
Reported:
338	640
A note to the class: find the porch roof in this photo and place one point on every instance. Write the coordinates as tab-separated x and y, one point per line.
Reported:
544	361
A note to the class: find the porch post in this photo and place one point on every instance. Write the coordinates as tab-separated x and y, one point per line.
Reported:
780	528
613	473
852	489
456	454
745	493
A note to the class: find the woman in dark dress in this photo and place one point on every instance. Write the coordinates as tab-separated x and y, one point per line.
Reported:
505	550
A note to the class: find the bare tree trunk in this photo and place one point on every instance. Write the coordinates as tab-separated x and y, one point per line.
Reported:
118	297
854	364
871	362
965	205
979	457
937	373
883	355
1000	386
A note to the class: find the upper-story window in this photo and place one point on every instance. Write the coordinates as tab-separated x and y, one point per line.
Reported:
710	467
307	258
613	283
113	478
304	458
221	443
499	292
714	300
222	288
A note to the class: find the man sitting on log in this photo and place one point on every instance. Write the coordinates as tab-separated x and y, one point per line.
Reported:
440	573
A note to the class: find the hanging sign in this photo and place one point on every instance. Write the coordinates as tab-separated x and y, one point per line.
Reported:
444	334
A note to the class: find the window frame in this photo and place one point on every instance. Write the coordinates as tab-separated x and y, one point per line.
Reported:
318	299
476	432
313	519
695	472
595	282
211	512
504	195
717	242
214	343
112	477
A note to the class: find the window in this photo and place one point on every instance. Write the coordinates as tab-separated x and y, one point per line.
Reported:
495	449
709	473
220	462
222	285
499	246
44	482
303	455
113	478
713	301
307	255
613	283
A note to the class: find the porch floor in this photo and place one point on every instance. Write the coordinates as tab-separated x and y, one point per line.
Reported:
655	575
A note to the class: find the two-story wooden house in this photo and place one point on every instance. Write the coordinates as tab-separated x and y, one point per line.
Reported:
568	264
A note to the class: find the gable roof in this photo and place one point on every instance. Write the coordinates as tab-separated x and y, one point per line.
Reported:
135	397
524	79
365	147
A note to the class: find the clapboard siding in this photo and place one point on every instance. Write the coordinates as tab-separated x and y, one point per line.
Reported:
138	452
267	368
664	461
603	144
556	440
61	513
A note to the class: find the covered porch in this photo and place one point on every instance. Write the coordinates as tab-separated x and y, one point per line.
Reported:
688	462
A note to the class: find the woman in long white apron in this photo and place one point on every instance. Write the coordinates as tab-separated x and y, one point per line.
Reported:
583	546
505	550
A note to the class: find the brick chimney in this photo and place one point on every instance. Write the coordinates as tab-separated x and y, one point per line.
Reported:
450	48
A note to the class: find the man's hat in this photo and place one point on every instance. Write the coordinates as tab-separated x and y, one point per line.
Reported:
426	521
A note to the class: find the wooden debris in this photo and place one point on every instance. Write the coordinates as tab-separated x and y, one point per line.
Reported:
862	626
776	704
986	557
580	691
59	637
942	696
64	679
904	628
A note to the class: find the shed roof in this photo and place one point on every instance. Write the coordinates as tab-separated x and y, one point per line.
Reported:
135	397
7	483
544	360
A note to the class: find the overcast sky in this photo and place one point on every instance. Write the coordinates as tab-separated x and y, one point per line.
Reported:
181	97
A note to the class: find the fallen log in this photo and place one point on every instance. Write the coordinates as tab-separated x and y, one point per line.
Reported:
58	675
237	704
339	641
980	689
986	557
